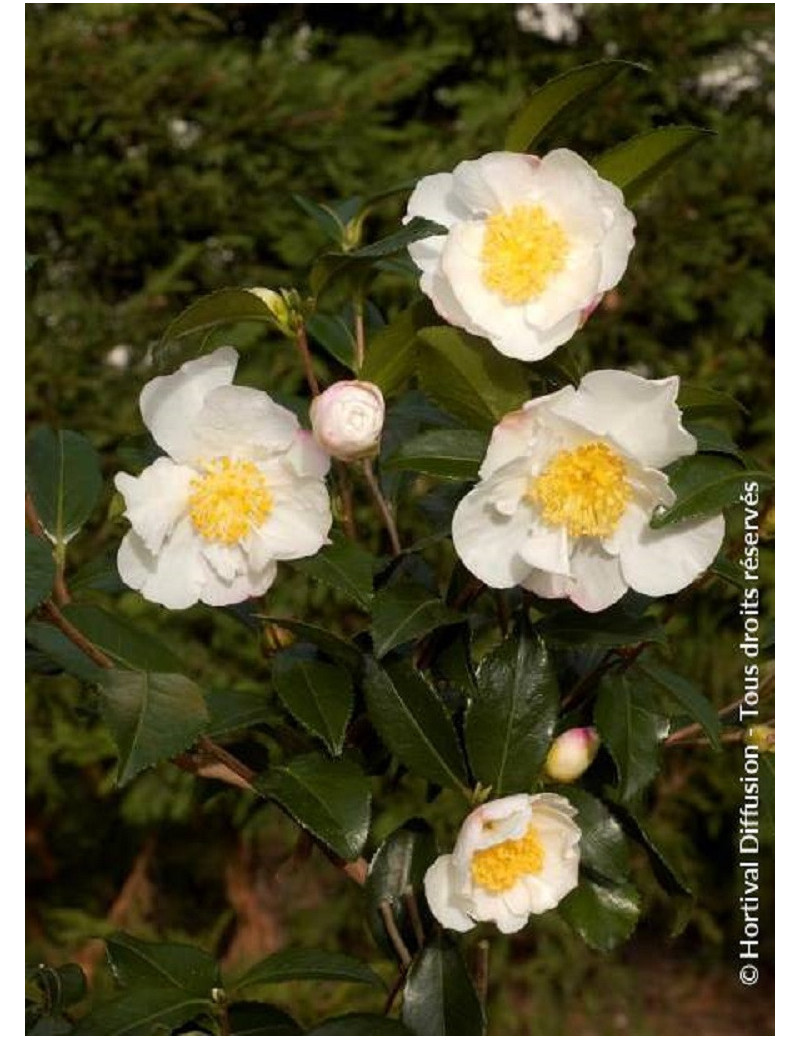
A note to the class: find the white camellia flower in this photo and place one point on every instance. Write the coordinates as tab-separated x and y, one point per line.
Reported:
241	487
514	857
531	246
571	754
568	487
347	419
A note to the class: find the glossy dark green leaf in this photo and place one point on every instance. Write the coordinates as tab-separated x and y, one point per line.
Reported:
51	1025
98	574
62	475
252	1018
224	307
358	1024
136	964
630	726
439	996
293	965
613	627
704	486
511	718
636	165
701	402
329	799
40	571
144	1012
558	97
343	566
603	915
152	716
333	334
713	439
416	229
452	454
404	612
399	865
319	695
667	874
468	378
58	648
230	710
604	848
325	217
127	646
728	571
329	643
413	723
60	987
391	352
684	692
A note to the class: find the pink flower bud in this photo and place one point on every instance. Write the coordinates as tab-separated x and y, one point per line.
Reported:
347	420
571	754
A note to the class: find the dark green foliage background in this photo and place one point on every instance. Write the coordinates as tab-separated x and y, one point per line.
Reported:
164	142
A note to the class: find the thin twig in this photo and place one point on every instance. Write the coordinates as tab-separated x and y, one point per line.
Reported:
346	492
75	636
413	912
358	321
301	341
397	985
394	935
482	969
60	591
383	506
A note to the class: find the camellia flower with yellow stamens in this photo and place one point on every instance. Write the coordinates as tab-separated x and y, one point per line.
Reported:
531	246
514	857
568	487
241	487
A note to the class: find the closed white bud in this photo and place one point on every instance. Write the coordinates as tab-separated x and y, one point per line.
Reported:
571	754
347	420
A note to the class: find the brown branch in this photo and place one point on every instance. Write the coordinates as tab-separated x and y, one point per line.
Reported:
301	341
383	507
358	321
346	492
413	912
396	939
34	524
75	636
482	969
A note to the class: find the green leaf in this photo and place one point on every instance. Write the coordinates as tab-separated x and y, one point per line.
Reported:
144	1012
559	96
452	454
667	875
404	612
439	996
62	473
696	705
151	716
413	723
416	229
391	352
127	646
52	642
52	1025
40	571
331	645
343	566
630	727
252	1018
713	439
704	486
609	628
136	964
224	307
766	792
329	799
603	916
604	849
398	866
728	571
468	378
323	216
636	165
60	988
701	402
320	696
293	965
359	1024
236	709
333	334
511	718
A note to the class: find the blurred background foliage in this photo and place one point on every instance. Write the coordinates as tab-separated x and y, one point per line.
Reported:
164	143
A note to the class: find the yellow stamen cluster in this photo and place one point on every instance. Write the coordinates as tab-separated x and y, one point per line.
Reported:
522	251
500	867
230	499
584	490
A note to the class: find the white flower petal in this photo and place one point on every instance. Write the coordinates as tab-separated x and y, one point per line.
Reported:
219	592
511	439
156	499
640	415
597	577
299	521
438	884
306	457
548	586
547	548
169	404
227	561
241	422
496	181
174	576
658	563
427	253
435	198
487	542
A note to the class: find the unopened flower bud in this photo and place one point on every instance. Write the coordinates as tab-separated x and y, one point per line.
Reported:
347	420
275	638
762	738
571	754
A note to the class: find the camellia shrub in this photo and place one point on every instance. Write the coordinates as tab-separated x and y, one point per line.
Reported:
511	663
